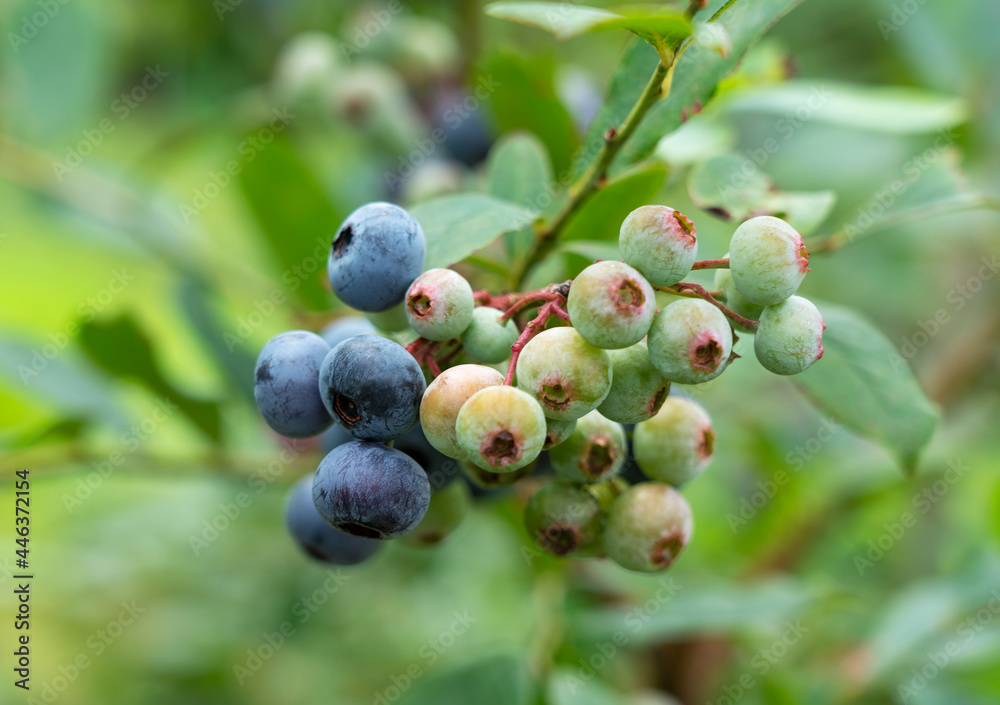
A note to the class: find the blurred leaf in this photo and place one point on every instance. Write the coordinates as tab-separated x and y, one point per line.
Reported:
726	608
233	361
55	83
565	20
519	171
697	73
527	100
456	226
294	216
63	380
697	140
591	249
865	384
877	108
122	349
492	680
601	216
734	188
577	687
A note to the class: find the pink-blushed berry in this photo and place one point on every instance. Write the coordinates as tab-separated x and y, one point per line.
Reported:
567	375
501	429
676	444
648	527
611	305
768	260
439	304
444	398
790	336
690	341
660	242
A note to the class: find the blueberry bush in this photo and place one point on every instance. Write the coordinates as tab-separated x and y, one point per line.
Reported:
518	353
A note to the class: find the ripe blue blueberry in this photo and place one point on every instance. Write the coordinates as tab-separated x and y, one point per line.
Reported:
372	386
318	538
377	252
285	384
371	490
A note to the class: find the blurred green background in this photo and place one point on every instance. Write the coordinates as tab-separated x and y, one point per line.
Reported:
170	176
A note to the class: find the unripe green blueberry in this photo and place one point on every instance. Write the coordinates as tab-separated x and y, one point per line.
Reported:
734	300
595	451
501	429
768	260
676	444
611	305
439	304
647	527
443	399
487	480
563	518
557	431
790	336
392	321
637	388
447	509
567	375
487	339
690	341
608	491
660	242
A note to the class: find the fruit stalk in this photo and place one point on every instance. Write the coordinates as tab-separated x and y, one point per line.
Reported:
688	288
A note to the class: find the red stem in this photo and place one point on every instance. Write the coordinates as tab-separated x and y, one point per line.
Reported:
721	263
702	293
535	326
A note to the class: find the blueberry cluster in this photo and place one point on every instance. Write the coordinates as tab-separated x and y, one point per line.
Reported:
566	390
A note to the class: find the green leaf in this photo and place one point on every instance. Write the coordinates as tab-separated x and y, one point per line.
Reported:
734	188
122	349
591	249
456	226
566	686
519	171
565	20
891	109
601	216
696	75
498	679
295	218
528	101
865	384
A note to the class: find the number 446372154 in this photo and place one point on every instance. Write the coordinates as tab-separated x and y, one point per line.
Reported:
21	516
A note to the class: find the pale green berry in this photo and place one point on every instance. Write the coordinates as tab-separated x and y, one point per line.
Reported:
611	305
501	429
790	336
648	527
447	509
637	388
676	444
567	375
392	321
734	300
563	518
595	451
443	399
690	341
439	304
557	431
660	242
768	260
487	339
